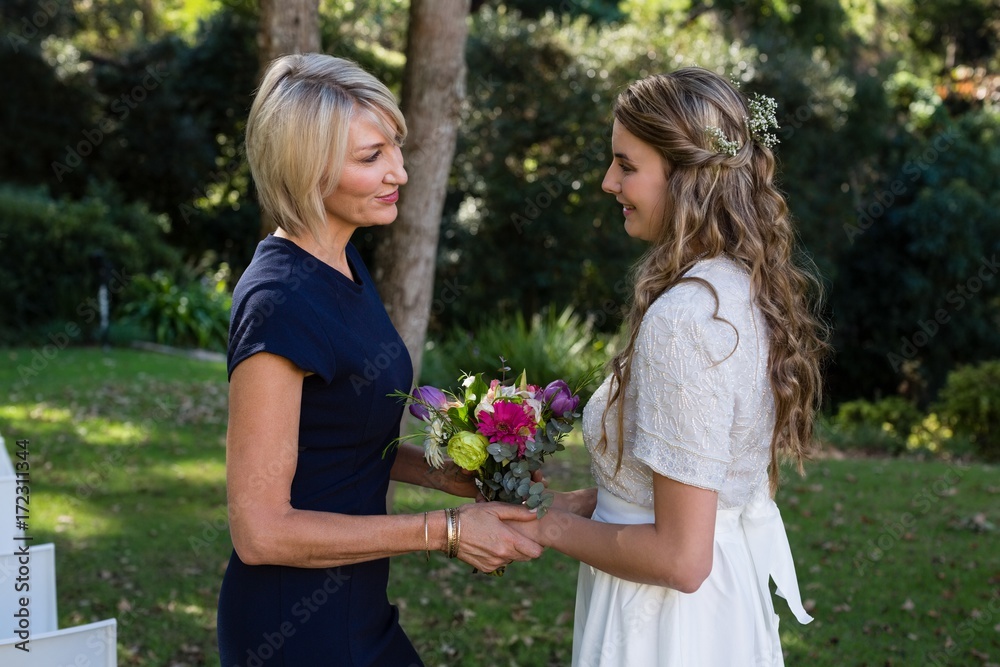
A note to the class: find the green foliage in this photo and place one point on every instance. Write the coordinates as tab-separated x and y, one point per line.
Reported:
967	28
933	436
881	426
153	97
41	132
174	133
162	120
970	404
193	313
550	345
54	248
525	202
894	426
917	290
604	11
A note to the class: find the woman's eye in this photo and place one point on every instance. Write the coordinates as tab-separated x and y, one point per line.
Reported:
373	157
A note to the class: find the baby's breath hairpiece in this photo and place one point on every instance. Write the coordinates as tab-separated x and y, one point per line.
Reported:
762	118
719	142
763	111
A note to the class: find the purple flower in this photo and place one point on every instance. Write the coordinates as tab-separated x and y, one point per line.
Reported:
560	399
427	396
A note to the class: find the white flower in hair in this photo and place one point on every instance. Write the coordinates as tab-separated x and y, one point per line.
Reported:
718	141
763	110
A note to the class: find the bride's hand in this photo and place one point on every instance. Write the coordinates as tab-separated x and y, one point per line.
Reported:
496	534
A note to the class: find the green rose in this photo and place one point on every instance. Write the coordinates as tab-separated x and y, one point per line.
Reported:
468	450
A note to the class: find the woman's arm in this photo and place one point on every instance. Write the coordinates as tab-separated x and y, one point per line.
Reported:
410	467
675	552
261	455
580	502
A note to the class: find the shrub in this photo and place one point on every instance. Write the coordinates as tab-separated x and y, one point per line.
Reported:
52	249
879	426
551	345
969	404
192	313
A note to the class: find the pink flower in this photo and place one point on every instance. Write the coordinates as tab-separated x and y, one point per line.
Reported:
510	423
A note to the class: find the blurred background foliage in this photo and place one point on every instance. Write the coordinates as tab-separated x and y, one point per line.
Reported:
123	124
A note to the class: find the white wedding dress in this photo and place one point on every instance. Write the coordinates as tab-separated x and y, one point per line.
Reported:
700	410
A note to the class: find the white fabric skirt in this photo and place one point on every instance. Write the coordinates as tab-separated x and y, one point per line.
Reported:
728	622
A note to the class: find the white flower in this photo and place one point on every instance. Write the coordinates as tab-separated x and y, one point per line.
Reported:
536	407
485	405
433	453
435	443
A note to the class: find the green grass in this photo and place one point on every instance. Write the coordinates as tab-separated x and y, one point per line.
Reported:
897	558
127	458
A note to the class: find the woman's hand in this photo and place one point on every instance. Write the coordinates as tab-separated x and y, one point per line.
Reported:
489	538
452	479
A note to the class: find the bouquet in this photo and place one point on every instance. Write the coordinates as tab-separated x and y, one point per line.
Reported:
501	432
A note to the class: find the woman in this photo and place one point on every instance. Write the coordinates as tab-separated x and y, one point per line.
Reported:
312	359
719	377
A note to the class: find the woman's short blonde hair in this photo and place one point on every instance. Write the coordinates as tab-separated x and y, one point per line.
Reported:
297	133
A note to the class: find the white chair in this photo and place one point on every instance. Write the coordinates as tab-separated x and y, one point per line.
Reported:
39	575
8	484
94	645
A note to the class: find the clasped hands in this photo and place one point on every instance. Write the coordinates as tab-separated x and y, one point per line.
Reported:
495	534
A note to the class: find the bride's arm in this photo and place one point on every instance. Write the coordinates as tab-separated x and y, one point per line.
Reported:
261	456
675	552
580	502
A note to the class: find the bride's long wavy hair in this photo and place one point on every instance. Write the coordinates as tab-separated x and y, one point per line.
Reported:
725	204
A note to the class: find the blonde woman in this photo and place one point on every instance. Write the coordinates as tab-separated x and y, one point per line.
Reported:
719	379
312	359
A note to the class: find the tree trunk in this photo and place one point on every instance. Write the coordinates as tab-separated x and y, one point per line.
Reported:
433	89
286	26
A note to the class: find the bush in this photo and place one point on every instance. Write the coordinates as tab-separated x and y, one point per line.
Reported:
969	404
552	345
53	250
880	426
194	313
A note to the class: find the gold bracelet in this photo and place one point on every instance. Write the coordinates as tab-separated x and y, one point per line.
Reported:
427	546
458	529
452	532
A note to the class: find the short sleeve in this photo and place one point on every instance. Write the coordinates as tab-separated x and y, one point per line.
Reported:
272	317
685	399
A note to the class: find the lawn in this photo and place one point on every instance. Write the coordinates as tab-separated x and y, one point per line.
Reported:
898	559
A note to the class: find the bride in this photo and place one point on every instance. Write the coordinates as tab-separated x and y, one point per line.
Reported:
719	380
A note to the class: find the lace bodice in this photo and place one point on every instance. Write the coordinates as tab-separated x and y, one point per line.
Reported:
699	407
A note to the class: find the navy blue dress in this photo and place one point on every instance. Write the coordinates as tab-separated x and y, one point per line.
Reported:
291	304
